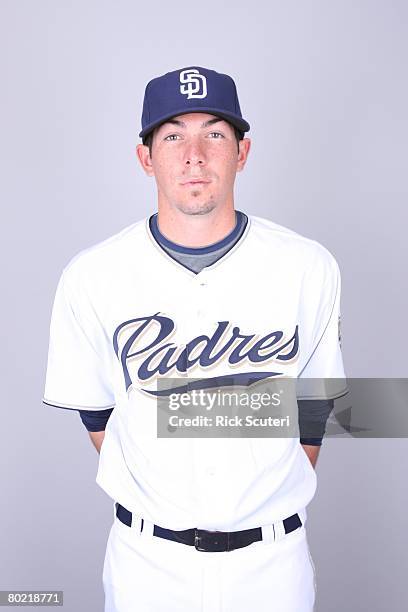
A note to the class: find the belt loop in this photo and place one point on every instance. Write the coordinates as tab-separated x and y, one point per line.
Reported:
147	531
268	535
279	530
136	523
303	515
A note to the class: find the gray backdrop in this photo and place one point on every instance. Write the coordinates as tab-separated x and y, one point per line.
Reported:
324	87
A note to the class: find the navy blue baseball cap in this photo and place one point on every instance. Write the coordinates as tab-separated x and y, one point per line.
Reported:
191	90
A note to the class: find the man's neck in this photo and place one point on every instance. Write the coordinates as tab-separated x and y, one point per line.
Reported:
196	230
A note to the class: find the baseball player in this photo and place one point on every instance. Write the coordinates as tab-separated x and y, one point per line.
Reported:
199	291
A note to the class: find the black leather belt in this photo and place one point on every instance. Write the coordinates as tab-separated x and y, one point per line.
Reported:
209	541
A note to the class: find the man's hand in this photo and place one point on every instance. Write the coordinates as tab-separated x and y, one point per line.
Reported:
97	438
312	452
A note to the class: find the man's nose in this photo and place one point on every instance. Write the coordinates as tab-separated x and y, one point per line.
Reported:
194	154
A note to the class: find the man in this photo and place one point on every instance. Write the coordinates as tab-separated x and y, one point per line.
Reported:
198	296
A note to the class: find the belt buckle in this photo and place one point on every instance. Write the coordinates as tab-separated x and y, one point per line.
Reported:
217	540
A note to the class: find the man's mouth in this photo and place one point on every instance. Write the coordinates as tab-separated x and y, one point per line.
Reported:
196	182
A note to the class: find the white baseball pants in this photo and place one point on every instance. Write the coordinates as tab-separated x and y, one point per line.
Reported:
144	573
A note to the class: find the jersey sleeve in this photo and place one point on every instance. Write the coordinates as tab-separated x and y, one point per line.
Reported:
78	372
323	376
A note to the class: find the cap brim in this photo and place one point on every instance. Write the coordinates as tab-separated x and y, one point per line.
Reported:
241	124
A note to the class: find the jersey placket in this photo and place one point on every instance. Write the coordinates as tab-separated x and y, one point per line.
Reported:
196	322
208	465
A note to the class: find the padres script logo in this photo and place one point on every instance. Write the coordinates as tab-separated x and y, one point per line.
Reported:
193	81
159	357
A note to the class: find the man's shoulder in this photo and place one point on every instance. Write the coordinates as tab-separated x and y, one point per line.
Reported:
106	254
290	242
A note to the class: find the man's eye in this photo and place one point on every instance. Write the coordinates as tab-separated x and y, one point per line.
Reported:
169	136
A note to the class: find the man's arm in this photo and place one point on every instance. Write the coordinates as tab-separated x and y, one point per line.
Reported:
312	452
95	422
97	438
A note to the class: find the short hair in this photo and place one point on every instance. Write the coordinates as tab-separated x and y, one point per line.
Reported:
148	139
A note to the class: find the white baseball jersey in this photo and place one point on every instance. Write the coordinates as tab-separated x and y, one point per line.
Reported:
127	315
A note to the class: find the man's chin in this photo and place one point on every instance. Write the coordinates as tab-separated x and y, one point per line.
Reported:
196	208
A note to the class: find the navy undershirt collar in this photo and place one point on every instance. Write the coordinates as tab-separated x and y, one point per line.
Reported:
158	236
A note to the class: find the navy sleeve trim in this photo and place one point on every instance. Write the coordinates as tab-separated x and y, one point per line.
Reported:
95	421
313	415
311	441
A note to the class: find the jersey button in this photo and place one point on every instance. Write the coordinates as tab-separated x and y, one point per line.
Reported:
211	471
202	280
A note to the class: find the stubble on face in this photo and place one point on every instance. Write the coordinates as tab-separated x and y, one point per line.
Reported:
196	208
196	205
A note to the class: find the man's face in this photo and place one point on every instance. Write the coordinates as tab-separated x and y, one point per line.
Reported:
194	160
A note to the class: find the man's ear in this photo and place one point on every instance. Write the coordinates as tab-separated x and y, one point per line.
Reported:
244	147
143	154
